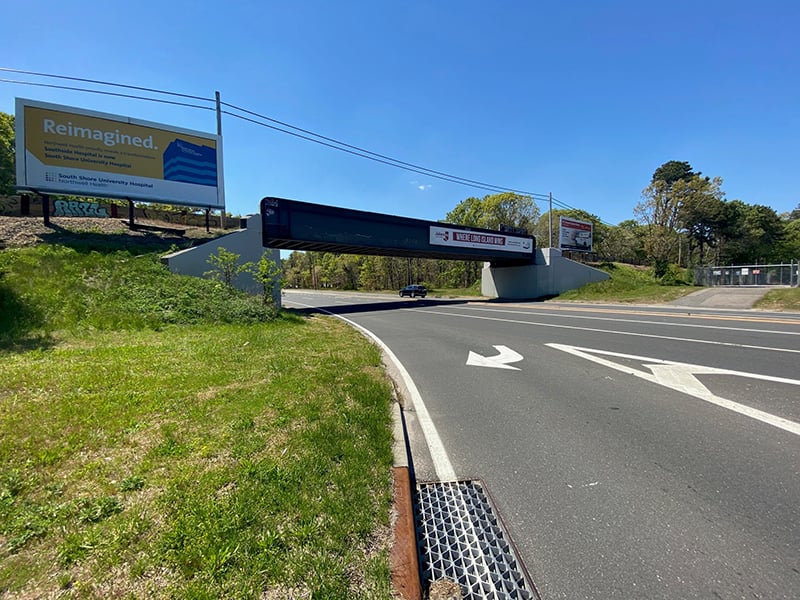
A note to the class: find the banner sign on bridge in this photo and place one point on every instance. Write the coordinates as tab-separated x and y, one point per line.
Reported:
447	236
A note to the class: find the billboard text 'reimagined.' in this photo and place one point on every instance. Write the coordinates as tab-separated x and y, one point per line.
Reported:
68	150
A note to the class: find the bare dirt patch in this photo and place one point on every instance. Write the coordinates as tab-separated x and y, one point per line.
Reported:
18	232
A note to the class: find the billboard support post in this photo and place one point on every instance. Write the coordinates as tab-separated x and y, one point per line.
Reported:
46	209
131	223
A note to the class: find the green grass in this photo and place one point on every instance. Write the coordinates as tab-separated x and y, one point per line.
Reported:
472	291
51	288
780	299
627	284
163	437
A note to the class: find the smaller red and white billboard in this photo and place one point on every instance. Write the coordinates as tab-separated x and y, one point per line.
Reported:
575	235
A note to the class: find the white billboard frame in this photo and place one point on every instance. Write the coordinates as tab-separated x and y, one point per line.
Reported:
92	148
575	235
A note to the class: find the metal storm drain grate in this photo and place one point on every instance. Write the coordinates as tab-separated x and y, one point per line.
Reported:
461	538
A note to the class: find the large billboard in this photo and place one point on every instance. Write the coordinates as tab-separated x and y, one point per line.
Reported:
575	235
68	150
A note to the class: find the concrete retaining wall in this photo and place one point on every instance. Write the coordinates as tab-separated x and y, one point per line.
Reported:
550	275
244	242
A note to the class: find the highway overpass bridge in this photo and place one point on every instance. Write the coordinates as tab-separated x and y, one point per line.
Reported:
294	225
513	269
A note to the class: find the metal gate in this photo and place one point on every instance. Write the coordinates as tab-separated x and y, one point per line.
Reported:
778	275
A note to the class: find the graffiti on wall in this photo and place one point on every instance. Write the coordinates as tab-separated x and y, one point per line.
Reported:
69	208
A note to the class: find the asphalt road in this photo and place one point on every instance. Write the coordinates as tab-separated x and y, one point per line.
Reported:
619	473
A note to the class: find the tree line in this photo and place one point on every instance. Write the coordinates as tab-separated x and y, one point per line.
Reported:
683	219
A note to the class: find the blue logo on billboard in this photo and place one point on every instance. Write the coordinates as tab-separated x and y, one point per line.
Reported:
190	163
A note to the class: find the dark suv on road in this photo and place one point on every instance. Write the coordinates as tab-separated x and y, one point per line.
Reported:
413	291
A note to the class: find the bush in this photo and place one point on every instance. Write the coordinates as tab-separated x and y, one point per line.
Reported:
675	275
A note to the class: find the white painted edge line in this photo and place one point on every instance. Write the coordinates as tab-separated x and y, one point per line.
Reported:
441	462
680	377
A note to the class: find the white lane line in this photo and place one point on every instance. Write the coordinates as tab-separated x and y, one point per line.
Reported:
681	377
629	321
628	333
441	461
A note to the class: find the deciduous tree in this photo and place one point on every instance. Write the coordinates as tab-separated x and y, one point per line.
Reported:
7	149
701	212
658	213
225	266
492	211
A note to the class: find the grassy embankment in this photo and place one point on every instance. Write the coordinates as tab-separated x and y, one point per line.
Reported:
628	284
636	285
782	299
162	436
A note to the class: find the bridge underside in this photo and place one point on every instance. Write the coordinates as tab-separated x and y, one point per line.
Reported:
294	225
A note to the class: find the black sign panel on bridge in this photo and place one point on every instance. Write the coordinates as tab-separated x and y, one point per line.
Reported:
295	225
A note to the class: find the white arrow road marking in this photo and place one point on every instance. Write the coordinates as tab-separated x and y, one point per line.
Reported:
507	355
681	377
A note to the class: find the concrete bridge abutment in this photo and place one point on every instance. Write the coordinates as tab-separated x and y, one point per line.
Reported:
550	275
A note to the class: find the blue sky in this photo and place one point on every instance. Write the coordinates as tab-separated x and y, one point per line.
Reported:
584	99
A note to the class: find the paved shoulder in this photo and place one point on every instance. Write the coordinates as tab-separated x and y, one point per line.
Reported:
723	297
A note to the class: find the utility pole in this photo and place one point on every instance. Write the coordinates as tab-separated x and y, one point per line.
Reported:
550	218
219	175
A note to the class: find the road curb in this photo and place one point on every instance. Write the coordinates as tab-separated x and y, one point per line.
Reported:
404	561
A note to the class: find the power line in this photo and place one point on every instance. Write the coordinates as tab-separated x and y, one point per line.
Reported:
395	161
373	156
311	136
106	93
292	130
568	207
108	83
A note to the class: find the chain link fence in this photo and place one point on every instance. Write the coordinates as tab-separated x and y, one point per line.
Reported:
782	274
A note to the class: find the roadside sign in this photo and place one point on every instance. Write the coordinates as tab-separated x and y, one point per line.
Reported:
575	235
66	150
